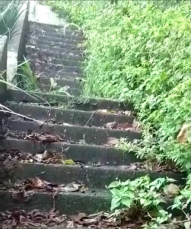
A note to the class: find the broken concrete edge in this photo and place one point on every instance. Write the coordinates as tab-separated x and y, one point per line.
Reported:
16	44
82	153
71	101
93	177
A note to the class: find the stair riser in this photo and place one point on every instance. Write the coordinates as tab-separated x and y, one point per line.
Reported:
81	104
53	28
68	203
37	65
94	136
62	82
43	40
45	60
48	37
93	177
72	55
75	117
67	36
70	91
57	50
83	153
55	31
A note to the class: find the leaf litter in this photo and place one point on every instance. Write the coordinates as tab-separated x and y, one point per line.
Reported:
36	137
37	218
25	189
135	126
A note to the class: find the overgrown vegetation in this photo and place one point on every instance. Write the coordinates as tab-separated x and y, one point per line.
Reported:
143	202
10	11
140	51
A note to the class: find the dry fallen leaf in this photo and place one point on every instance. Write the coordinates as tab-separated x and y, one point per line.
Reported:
183	134
171	190
111	125
112	141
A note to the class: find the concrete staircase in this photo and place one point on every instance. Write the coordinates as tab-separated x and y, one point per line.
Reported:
79	127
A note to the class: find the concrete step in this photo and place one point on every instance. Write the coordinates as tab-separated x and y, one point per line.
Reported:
37	65
87	104
71	81
67	203
55	50
73	134
57	75
49	59
54	42
62	35
48	52
66	90
83	153
43	29
53	38
73	117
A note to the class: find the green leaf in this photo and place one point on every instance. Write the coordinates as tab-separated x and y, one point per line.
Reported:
115	202
127	202
114	184
68	162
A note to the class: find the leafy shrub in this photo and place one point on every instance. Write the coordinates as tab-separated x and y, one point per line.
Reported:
141	52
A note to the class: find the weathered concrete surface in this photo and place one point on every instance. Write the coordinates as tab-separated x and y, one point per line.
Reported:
74	134
68	202
16	44
70	116
93	177
90	104
81	153
47	17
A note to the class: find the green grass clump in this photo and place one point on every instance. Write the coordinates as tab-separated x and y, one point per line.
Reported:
141	51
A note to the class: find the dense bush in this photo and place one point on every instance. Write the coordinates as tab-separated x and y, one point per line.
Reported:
141	52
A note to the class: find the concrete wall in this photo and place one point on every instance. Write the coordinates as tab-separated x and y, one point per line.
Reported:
16	45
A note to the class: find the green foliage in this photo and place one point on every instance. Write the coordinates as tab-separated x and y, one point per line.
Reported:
10	11
25	78
141	195
140	51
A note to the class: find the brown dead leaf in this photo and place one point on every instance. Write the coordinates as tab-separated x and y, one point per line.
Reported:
43	137
112	141
171	190
183	134
111	125
103	111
